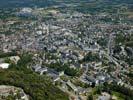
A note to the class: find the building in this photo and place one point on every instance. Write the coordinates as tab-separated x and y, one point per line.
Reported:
72	86
4	65
36	67
42	70
15	59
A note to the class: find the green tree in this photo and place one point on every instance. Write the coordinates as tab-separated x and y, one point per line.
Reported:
90	97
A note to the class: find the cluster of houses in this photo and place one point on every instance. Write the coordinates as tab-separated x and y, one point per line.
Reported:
76	89
55	76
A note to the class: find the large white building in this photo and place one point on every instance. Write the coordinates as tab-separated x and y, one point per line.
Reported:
4	65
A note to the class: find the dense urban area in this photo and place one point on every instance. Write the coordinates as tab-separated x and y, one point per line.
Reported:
66	50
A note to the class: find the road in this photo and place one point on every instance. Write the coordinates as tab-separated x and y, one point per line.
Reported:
82	77
109	54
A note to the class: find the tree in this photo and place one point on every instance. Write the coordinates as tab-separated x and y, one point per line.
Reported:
98	90
90	97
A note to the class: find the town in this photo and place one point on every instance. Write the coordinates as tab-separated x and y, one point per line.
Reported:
79	52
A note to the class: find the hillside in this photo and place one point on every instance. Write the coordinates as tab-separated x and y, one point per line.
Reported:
37	87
